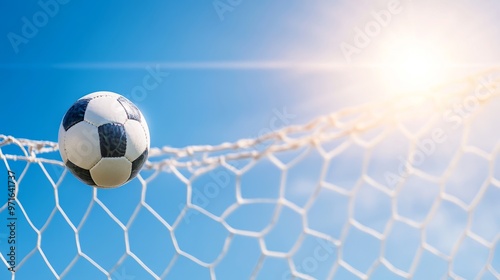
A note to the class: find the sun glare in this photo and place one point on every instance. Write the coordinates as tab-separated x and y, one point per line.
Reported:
411	66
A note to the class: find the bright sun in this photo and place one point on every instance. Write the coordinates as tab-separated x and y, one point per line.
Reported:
410	66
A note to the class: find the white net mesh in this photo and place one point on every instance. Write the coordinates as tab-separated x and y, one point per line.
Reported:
407	188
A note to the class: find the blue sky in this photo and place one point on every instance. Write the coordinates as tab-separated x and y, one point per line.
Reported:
222	76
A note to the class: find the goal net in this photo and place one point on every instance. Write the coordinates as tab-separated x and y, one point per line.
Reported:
405	188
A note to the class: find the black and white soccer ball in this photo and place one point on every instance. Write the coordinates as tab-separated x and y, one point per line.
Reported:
104	139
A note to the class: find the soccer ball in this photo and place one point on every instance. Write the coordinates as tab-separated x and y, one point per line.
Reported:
104	139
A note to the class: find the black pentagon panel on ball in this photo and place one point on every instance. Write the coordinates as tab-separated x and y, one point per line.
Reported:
81	173
75	114
112	140
133	112
138	163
